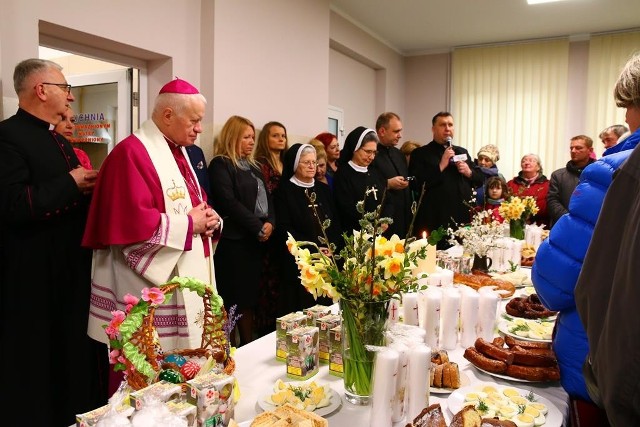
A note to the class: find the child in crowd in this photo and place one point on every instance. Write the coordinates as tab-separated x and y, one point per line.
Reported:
496	191
488	155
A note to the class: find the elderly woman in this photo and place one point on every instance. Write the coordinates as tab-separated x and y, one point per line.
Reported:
354	182
332	147
530	181
296	214
238	188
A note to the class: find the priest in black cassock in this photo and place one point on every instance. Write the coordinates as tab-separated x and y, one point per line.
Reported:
354	181
295	213
45	275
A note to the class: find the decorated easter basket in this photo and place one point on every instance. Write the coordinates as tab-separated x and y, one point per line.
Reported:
134	342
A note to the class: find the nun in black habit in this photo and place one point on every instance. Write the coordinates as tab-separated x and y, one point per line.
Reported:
295	214
354	181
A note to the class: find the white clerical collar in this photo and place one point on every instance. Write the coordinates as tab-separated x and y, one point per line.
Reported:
299	183
358	168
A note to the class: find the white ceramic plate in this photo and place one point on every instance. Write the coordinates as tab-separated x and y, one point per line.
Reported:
464	381
456	400
503	327
503	376
335	403
506	316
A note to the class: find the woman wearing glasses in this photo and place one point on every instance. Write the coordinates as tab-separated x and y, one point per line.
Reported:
298	199
355	182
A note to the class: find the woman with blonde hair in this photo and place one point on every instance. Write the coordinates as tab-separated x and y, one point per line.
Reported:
239	190
321	159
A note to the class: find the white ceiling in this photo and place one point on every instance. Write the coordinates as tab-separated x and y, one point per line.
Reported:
427	26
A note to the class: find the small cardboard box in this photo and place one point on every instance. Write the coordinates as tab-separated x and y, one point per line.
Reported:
162	390
283	325
91	418
212	394
316	312
335	351
324	324
302	359
184	409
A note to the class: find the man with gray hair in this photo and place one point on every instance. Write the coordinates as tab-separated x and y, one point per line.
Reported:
611	135
149	220
45	274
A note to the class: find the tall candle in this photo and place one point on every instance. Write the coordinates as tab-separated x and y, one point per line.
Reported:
384	374
487	311
418	380
469	306
449	317
428	264
400	397
410	308
431	321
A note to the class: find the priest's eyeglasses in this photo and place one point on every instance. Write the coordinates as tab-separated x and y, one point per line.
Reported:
63	86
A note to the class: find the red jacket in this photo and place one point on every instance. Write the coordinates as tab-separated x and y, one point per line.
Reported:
539	189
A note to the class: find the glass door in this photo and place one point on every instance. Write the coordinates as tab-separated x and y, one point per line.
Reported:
103	111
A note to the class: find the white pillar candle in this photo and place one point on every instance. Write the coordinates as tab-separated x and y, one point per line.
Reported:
400	397
424	265
487	311
384	371
418	380
449	318
433	297
394	310
469	306
447	277
516	253
410	308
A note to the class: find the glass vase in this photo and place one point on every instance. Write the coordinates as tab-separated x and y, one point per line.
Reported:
516	229
363	323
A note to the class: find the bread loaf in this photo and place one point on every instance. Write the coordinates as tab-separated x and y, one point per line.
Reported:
468	416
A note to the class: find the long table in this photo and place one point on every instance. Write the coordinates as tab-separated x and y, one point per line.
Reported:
257	370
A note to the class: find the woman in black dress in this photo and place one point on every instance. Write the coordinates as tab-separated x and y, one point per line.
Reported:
239	193
296	215
354	182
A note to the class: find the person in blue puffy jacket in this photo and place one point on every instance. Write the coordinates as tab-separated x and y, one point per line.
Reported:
555	273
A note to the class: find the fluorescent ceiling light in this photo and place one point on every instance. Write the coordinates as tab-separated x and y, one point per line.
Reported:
542	1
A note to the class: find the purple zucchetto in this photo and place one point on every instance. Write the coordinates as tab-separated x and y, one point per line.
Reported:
179	86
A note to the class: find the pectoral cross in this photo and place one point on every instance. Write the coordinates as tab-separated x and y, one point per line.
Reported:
313	205
373	190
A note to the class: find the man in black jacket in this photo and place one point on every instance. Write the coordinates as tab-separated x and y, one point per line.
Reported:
564	180
391	164
449	177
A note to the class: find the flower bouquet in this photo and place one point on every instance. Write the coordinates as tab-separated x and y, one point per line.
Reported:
517	210
367	273
479	236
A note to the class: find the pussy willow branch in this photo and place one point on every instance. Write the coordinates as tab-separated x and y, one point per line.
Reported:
414	208
376	218
312	203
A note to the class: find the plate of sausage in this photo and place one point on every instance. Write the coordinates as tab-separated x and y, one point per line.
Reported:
523	361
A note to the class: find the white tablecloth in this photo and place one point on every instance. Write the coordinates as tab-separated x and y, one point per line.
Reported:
257	370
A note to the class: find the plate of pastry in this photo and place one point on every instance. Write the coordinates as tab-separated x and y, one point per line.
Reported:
308	396
523	407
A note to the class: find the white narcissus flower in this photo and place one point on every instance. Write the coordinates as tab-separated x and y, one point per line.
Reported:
393	265
292	245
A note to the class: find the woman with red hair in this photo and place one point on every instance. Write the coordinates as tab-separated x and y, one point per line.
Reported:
332	147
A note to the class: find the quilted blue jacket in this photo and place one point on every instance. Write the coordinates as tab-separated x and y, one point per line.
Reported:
559	260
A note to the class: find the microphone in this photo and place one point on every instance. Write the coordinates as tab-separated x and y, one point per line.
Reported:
448	141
